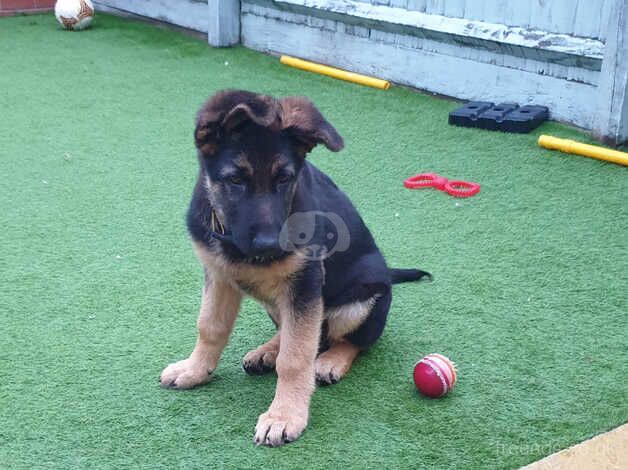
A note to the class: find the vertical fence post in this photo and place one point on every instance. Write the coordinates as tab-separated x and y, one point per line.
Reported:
611	121
224	22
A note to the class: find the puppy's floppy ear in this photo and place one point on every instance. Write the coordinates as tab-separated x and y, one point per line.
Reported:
262	110
228	109
301	119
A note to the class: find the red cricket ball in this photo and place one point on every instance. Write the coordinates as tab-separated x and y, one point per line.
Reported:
434	375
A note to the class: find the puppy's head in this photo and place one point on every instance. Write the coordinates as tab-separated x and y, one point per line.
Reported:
251	149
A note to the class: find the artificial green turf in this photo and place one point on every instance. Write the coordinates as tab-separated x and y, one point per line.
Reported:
100	288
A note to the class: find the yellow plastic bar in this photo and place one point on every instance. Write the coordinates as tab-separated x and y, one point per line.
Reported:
334	72
585	150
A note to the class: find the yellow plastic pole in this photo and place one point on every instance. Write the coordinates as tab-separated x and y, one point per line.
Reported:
585	150
334	72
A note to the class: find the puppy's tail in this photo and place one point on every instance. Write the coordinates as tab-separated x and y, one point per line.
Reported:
408	275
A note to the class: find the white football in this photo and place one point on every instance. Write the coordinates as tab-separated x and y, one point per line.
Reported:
74	14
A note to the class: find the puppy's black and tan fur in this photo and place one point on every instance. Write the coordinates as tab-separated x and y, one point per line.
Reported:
321	279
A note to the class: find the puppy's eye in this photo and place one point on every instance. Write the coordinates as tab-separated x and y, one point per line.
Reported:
284	178
235	179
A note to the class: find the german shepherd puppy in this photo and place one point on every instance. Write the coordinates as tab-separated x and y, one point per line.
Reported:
267	223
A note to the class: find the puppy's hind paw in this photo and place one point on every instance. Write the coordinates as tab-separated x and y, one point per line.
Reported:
258	361
326	374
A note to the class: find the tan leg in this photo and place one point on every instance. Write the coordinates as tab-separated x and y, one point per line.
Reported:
262	360
287	416
334	363
219	307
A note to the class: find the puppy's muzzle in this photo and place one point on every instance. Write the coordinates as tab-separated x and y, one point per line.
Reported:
265	245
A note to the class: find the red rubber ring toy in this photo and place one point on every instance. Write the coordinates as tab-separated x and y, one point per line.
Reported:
440	182
469	189
424	180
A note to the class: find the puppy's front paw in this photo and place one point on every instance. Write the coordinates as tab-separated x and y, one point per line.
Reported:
275	429
184	374
259	361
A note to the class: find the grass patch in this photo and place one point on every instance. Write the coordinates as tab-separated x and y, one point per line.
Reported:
101	288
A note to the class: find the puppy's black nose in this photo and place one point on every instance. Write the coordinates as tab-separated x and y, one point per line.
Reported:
265	245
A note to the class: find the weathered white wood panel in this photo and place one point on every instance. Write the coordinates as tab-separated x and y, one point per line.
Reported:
453	8
417	5
551	47
606	17
611	120
586	18
503	11
494	55
224	23
541	15
190	14
450	75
